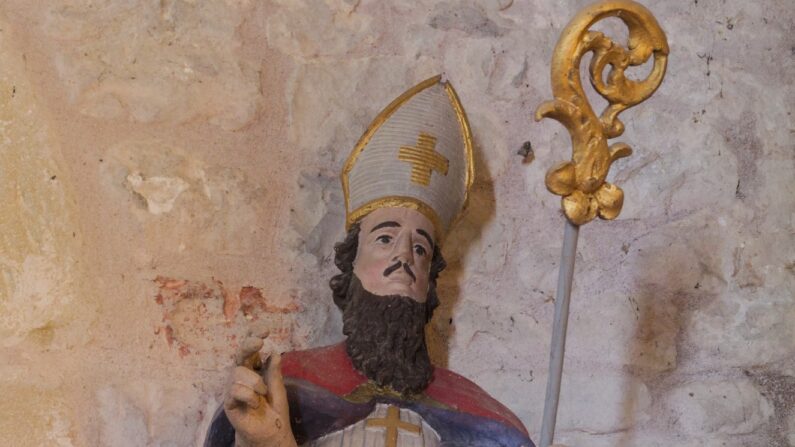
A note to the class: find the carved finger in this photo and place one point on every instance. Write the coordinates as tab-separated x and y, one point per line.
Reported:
248	354
259	329
248	378
242	396
277	393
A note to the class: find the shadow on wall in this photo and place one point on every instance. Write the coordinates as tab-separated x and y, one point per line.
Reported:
664	299
480	210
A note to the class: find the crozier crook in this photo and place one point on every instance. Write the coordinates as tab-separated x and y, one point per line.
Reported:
581	182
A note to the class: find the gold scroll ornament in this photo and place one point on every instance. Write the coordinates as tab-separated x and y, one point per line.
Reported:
581	181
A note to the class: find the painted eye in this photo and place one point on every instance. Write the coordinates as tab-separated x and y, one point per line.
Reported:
420	250
384	239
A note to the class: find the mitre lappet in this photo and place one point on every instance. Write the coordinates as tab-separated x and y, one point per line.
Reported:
416	154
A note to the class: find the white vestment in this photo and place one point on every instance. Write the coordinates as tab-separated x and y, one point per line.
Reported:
386	426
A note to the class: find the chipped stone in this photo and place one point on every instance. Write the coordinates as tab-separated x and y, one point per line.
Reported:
122	422
470	18
159	192
38	247
185	65
603	403
732	407
27	421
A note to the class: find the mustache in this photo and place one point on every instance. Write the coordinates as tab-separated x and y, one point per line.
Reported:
391	269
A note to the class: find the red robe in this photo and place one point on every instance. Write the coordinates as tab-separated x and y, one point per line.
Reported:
317	381
330	368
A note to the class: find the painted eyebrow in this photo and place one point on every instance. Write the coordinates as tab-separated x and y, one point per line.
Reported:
426	236
389	223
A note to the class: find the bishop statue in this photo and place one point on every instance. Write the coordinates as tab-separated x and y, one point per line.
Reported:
405	182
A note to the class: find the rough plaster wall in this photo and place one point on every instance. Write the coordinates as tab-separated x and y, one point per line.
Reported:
168	174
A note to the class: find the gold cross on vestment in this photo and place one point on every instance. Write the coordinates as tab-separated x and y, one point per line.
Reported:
392	423
424	159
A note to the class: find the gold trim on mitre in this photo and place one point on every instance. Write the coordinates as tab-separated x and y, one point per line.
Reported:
353	216
399	202
470	157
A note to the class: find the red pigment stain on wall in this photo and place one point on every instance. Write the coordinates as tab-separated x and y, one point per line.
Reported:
251	300
197	313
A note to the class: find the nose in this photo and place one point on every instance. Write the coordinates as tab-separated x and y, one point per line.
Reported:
402	250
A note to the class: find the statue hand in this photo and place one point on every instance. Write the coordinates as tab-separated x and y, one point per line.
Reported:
258	411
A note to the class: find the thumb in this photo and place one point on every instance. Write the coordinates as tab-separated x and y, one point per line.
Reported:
277	393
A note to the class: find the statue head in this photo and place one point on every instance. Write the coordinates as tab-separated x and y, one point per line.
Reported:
394	253
384	320
404	184
369	249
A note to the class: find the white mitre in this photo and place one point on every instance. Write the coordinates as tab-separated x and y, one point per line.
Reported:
416	154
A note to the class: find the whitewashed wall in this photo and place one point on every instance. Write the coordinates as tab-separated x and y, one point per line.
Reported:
168	173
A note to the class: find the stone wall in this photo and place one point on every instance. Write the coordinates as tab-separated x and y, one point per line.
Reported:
168	175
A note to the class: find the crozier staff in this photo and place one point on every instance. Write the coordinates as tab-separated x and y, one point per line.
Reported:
581	182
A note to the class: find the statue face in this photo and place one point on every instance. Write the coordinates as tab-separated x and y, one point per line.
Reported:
394	253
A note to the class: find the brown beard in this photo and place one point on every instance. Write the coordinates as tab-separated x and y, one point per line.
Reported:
386	339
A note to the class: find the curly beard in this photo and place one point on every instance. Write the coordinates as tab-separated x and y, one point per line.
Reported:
386	339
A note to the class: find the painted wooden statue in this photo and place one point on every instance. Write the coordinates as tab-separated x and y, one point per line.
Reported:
405	182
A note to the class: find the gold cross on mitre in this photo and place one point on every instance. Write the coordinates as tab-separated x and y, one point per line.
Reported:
424	159
392	423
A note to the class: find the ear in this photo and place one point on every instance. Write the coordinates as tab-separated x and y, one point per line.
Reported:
359	245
